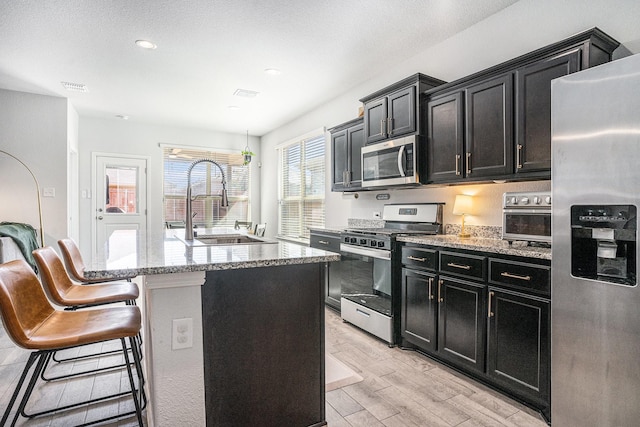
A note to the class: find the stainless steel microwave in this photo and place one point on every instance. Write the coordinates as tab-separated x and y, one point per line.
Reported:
390	163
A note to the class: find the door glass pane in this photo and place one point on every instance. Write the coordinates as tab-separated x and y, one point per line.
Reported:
121	192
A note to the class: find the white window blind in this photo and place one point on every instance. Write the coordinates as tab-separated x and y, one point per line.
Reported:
206	180
301	192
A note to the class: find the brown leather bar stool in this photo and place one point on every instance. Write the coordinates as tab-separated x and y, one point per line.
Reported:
75	265
34	324
62	291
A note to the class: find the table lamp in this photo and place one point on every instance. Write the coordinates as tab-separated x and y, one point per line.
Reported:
462	206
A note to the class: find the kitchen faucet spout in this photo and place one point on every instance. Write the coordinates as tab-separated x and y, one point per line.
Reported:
189	216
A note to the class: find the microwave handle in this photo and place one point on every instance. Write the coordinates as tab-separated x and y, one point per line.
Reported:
401	163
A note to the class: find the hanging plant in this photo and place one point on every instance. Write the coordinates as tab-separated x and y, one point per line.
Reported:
247	156
247	153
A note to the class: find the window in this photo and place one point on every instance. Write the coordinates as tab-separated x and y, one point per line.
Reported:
206	182
301	192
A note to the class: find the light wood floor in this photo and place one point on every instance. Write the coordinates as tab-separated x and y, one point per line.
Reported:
399	388
405	388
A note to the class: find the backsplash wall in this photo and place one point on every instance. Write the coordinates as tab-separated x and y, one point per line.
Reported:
487	201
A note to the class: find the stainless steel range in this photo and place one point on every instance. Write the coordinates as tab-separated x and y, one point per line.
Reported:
371	267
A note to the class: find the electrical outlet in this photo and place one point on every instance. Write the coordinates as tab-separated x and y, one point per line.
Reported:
376	214
182	333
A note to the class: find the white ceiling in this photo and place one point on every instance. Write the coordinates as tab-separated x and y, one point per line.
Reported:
209	48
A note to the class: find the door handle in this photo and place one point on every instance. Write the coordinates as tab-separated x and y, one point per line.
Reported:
382	127
457	164
431	297
413	258
324	242
489	312
440	299
401	165
519	157
468	163
389	125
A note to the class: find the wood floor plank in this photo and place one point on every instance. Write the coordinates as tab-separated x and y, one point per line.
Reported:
342	402
363	419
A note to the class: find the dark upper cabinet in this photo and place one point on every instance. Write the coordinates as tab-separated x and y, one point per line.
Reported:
533	109
469	132
506	133
445	137
489	128
346	164
395	110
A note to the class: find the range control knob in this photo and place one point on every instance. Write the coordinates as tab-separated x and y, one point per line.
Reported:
547	200
537	200
514	200
525	200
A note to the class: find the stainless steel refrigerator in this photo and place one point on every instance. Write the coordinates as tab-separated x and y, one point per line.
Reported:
595	298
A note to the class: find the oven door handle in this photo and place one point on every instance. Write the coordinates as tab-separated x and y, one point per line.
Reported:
373	253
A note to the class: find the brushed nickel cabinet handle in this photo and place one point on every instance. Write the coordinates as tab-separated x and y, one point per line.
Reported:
440	299
518	157
464	267
413	258
381	126
389	125
324	242
489	312
515	276
430	284
457	164
468	163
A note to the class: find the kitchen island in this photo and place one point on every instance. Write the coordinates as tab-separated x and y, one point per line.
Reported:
233	334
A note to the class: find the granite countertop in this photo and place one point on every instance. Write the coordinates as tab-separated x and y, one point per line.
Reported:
482	244
164	252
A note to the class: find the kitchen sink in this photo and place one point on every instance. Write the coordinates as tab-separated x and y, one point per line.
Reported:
225	239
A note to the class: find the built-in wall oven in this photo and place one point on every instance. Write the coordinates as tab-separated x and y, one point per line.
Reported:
370	280
526	216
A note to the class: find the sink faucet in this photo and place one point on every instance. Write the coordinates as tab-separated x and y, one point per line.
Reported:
189	217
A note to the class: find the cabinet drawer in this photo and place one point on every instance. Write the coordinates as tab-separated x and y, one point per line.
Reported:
521	276
463	265
325	241
420	257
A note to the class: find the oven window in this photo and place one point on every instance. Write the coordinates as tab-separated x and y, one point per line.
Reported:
528	224
367	281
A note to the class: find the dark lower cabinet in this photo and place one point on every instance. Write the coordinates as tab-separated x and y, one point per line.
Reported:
263	343
485	315
419	309
461	322
518	351
333	272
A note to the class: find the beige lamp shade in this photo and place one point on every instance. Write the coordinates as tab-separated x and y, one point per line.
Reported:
463	205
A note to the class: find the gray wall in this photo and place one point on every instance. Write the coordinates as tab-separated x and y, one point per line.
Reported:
33	128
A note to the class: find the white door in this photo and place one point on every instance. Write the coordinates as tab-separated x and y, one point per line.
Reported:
120	207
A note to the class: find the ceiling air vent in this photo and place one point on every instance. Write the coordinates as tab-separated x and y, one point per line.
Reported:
75	87
246	93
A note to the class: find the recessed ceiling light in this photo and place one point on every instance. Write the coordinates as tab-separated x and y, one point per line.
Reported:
246	93
122	116
75	87
272	71
233	107
146	44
